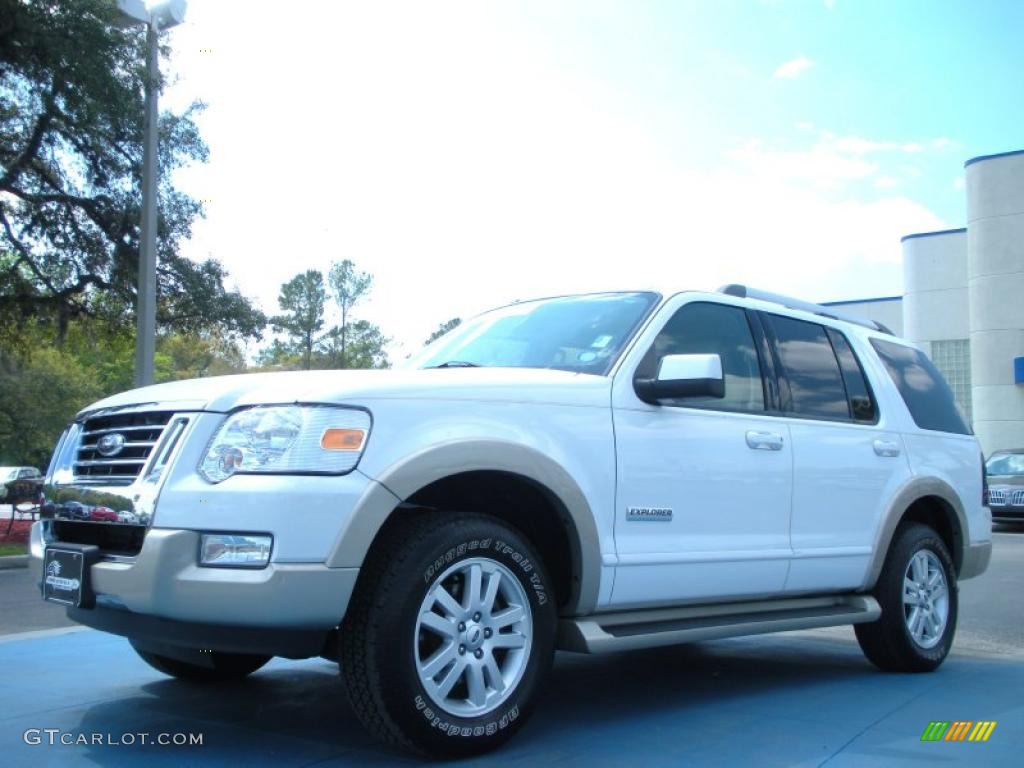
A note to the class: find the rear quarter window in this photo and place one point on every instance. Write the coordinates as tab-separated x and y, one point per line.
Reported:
927	395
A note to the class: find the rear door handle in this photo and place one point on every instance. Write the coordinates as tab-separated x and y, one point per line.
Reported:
886	447
764	441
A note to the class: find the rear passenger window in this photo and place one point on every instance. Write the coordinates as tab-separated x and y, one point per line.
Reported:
706	328
927	395
816	388
862	404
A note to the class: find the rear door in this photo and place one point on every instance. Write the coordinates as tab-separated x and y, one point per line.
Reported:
848	460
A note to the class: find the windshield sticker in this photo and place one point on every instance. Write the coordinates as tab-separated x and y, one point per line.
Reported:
601	341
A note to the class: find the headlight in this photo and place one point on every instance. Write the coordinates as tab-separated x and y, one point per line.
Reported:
319	439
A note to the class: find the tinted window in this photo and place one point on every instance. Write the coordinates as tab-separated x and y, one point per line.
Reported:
862	404
704	328
584	334
810	367
927	395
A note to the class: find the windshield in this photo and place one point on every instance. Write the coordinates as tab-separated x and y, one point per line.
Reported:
1006	464
584	334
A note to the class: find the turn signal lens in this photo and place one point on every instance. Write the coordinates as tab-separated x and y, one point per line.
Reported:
342	439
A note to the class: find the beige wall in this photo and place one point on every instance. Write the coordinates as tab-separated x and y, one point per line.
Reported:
995	282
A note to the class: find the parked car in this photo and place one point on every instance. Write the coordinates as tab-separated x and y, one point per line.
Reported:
20	485
1005	470
72	510
592	473
103	514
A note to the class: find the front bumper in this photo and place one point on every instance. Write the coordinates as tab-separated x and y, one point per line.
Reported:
165	581
1007	513
190	640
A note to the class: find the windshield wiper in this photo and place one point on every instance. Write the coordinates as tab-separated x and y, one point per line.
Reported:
455	364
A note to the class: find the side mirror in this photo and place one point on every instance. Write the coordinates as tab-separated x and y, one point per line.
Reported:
683	376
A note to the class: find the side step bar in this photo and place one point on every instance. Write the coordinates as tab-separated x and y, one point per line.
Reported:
630	630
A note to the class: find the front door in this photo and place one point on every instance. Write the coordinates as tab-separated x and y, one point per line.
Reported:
704	484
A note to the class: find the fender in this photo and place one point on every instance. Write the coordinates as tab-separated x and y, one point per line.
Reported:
911	491
401	480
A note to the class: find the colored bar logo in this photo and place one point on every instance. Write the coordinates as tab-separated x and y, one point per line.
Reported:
958	730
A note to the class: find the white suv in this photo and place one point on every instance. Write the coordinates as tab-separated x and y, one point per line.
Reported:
591	473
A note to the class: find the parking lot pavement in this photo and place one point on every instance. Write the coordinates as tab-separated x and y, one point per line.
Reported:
22	609
803	698
796	699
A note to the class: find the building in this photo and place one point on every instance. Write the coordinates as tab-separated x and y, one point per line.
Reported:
963	300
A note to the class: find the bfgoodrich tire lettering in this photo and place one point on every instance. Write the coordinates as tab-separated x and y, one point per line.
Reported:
918	595
384	647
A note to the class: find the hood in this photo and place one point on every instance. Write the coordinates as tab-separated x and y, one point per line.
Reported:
994	480
224	393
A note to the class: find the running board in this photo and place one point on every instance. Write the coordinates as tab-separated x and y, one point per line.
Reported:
630	630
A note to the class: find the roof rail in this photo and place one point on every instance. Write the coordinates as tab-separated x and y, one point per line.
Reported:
743	292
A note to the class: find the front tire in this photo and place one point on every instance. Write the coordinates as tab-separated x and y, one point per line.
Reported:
918	594
449	636
225	666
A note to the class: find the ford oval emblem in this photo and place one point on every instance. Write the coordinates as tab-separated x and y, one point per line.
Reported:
110	445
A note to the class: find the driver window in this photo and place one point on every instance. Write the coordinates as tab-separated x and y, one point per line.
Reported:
705	328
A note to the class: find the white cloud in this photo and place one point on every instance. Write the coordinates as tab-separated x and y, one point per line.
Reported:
793	68
830	4
832	161
959	183
468	170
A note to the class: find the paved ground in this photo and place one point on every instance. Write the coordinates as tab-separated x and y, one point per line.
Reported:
804	698
22	609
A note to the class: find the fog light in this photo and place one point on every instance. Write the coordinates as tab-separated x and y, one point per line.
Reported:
233	550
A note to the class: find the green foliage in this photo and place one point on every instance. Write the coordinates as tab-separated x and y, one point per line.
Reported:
39	395
365	347
42	386
302	300
443	328
108	354
348	285
71	127
279	356
351	344
197	355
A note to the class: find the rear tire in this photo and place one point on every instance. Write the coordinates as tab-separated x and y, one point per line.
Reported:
918	594
449	636
226	666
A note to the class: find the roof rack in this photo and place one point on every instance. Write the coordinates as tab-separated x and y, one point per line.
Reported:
743	292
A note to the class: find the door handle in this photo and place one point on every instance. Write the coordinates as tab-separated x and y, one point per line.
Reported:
886	447
764	441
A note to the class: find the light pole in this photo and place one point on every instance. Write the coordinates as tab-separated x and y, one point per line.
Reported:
156	17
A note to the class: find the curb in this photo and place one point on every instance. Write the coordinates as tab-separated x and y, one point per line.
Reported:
13	561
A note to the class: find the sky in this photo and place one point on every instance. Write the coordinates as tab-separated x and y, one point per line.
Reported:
470	154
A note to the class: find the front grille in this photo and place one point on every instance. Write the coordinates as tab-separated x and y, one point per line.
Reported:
997	496
111	539
140	433
1018	498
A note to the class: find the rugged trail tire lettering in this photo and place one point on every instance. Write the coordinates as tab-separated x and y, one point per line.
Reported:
887	643
376	643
